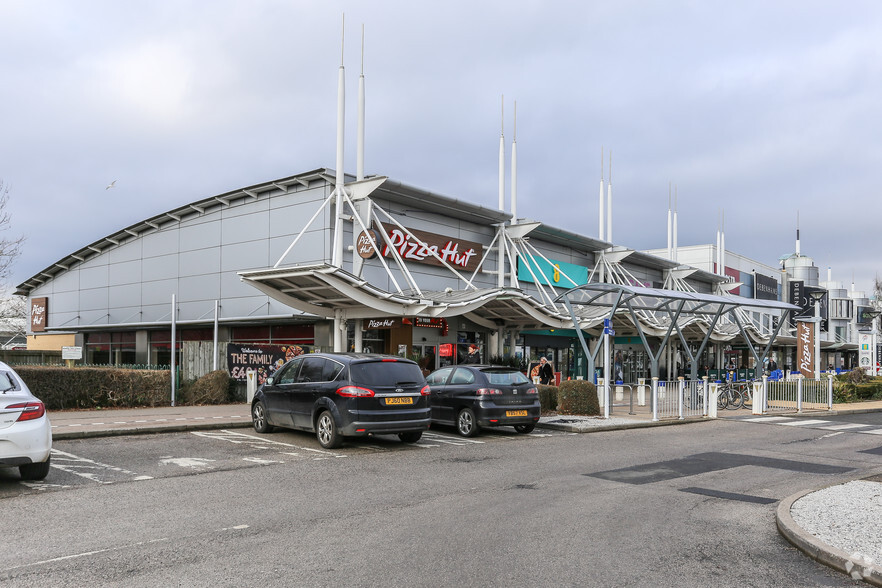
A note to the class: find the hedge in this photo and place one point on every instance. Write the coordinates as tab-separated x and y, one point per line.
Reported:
577	397
547	397
856	386
97	387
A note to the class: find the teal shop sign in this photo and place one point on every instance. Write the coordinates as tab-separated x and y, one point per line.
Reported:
557	273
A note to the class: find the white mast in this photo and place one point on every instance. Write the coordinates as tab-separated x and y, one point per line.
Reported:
337	257
675	224
797	233
670	220
723	245
502	155
719	269
609	236
601	217
500	255
360	156
514	167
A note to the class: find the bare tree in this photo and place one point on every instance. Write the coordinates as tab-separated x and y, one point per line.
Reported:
13	309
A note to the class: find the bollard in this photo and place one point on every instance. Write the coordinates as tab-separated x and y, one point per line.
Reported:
712	400
759	392
250	385
600	395
641	391
620	393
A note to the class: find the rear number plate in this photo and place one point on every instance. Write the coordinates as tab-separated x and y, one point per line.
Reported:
515	413
404	400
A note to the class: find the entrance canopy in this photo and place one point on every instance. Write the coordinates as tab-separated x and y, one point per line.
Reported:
658	312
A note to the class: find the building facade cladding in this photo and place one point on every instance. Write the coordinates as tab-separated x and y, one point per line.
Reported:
125	283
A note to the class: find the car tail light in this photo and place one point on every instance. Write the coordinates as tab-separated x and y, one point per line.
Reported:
355	392
532	391
425	390
30	410
393	360
487	391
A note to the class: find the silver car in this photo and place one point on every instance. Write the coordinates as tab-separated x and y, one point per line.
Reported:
25	432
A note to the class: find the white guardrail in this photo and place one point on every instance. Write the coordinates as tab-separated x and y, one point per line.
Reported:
681	398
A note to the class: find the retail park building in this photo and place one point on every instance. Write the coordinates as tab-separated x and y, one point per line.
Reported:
296	265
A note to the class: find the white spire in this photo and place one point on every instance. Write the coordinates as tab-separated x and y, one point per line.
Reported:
601	217
675	225
670	225
337	254
797	234
360	155
609	236
514	167
502	155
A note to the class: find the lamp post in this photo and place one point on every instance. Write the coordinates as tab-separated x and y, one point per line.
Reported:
817	296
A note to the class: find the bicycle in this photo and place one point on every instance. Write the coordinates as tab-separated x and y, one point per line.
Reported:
733	395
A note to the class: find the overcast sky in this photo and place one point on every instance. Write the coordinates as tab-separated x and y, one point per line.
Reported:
760	109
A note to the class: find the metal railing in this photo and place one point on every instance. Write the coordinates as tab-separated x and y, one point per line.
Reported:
793	395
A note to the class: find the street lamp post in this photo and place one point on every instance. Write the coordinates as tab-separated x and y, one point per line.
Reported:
817	296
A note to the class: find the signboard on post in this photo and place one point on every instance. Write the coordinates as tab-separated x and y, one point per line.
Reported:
805	348
71	353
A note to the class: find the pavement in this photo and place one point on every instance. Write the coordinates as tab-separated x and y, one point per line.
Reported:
861	562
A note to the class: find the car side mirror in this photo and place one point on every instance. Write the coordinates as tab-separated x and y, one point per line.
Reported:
270	380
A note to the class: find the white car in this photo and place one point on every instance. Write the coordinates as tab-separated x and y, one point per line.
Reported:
25	432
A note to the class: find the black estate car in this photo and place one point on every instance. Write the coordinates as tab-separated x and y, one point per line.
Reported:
475	396
344	394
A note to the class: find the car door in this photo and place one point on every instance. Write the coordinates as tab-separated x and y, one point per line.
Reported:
276	394
306	390
461	392
437	381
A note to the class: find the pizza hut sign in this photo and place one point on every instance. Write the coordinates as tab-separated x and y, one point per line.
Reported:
422	247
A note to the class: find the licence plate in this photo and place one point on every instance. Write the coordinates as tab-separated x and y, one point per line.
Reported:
516	413
401	400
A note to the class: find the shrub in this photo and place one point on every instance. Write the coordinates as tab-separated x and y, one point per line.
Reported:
215	387
64	388
856	386
548	397
577	397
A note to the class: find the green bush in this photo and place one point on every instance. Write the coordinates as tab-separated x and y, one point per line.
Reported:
856	386
215	387
65	388
577	397
548	397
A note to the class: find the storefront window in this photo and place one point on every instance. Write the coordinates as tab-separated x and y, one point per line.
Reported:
110	348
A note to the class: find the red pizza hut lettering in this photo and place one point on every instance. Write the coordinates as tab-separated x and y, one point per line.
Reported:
413	250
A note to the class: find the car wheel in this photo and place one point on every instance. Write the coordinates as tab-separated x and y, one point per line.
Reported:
34	471
466	423
411	437
525	428
258	418
326	431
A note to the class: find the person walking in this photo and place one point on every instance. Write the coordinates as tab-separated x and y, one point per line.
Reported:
474	356
546	373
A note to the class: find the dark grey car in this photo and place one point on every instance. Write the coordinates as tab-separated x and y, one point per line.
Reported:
341	395
474	396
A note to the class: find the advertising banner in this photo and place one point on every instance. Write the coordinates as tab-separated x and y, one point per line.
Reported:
556	273
805	348
263	359
765	287
422	247
39	312
866	352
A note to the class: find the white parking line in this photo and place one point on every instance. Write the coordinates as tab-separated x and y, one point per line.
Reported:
80	466
257	442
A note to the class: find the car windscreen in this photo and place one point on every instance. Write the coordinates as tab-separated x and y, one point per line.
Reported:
7	382
385	373
505	377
